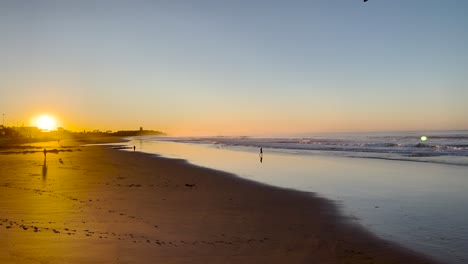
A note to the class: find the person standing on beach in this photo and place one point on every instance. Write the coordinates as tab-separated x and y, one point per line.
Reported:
261	151
134	148
45	153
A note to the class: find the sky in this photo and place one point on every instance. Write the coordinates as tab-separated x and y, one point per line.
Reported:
236	67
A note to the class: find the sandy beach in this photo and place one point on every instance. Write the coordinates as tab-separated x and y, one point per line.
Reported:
93	204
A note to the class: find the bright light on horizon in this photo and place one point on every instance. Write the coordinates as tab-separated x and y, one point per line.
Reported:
45	122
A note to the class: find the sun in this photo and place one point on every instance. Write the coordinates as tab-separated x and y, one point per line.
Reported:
45	122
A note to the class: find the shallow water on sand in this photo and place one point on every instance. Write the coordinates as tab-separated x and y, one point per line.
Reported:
420	205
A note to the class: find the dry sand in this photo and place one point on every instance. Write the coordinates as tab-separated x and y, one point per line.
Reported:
98	205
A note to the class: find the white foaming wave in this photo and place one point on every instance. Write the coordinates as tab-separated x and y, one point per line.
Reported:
387	147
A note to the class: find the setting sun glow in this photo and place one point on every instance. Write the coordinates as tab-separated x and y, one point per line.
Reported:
45	122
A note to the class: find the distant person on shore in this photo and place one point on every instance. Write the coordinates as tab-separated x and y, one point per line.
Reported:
45	153
134	148
261	155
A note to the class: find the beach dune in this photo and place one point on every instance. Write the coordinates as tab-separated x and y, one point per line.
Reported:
93	204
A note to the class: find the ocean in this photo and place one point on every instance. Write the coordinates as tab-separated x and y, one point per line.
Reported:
406	187
449	147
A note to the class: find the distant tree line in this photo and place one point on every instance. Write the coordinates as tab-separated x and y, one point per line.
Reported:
131	133
34	134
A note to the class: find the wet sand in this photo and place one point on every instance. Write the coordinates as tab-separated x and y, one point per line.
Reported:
99	205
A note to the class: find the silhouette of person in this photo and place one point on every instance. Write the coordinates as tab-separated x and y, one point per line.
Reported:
133	148
261	150
45	154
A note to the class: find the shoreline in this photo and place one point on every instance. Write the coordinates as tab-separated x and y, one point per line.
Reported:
168	210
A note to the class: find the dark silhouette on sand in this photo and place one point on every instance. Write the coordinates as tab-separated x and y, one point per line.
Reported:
261	155
44	169
45	154
133	148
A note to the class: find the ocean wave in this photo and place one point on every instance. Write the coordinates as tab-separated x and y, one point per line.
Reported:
396	146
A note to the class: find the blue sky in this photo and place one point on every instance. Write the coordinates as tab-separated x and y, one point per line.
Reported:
238	67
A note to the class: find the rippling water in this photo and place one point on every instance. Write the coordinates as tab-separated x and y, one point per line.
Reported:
450	147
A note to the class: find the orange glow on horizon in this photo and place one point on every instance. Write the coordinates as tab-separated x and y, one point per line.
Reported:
44	122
